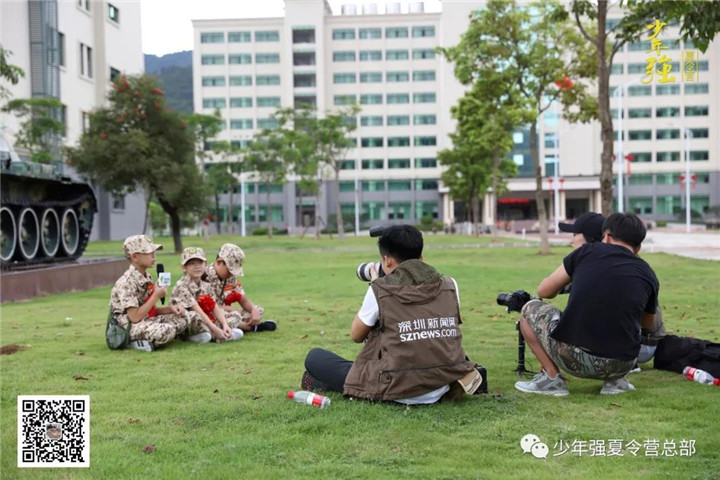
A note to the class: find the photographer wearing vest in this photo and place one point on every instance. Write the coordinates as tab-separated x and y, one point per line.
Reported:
614	292
410	323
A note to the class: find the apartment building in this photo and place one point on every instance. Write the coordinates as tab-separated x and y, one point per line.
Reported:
384	59
71	50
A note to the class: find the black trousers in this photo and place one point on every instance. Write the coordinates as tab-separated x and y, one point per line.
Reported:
328	367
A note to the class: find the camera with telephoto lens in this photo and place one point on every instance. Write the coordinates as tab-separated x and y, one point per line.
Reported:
363	270
514	301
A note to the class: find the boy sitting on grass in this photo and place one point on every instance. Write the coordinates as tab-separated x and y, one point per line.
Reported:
134	296
226	289
206	319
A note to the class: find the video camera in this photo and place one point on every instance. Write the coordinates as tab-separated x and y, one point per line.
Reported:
363	270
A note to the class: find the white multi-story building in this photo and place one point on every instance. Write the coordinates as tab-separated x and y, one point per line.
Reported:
386	62
71	50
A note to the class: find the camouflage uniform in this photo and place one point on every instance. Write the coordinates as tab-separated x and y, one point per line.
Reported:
133	289
221	289
185	294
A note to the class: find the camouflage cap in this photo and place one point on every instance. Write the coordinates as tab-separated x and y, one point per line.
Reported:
233	256
192	252
140	244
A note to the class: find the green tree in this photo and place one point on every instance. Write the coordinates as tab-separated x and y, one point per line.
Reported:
137	142
39	130
229	156
204	127
532	48
219	179
699	20
8	72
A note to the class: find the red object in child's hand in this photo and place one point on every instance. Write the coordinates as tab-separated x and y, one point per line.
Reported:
232	298
207	304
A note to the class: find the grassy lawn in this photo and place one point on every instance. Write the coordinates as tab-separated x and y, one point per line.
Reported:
220	411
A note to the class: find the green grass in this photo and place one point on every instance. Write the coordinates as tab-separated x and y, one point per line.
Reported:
220	411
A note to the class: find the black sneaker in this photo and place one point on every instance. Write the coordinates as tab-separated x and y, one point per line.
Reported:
266	326
312	384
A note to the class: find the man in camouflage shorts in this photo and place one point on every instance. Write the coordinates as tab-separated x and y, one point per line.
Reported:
134	296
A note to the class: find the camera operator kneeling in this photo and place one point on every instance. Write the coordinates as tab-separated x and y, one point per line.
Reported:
614	293
410	323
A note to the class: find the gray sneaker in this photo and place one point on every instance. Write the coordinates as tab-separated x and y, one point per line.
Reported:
544	385
621	385
202	337
237	334
142	345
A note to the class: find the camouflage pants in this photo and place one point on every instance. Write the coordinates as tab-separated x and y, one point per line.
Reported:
543	318
161	329
195	324
239	319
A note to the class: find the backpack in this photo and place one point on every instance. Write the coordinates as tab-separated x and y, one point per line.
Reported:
116	337
675	353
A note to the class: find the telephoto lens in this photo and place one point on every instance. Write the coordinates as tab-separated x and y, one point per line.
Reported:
363	270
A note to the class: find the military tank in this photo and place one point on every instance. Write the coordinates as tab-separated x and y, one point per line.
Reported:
44	216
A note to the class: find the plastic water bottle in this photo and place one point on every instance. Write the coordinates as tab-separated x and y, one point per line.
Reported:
310	398
700	376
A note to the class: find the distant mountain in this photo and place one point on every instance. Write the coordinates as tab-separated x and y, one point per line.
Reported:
174	71
154	64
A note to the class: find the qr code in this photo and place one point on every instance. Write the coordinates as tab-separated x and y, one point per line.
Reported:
53	431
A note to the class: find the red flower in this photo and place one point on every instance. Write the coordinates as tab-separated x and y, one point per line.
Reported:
157	91
232	298
103	135
207	304
565	83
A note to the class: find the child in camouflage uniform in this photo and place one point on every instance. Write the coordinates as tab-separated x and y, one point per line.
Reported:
206	318
226	289
134	296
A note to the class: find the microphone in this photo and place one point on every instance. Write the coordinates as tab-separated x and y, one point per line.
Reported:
161	269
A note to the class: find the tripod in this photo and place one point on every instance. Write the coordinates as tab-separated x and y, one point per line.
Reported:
520	370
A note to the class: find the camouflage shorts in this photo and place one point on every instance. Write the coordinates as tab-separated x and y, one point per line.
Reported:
543	318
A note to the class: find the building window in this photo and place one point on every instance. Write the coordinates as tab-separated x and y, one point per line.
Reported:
373	164
267	79
303	35
700	132
214	103
396	32
423	54
239	37
667	178
371	142
371	121
303	59
268	36
241	123
399	163
370	77
85	121
667	112
399	185
636	67
84	4
397	77
212	59
426	209
268	123
373	210
667	156
347	165
276	213
425	120
425	162
667	89
396	98
399	210
344	99
616	69
344	78
212	37
396	55
640	134
368	33
640	112
61	49
699	155
697	111
639	46
370	55
398	141
396	120
240	80
424	98
267	58
425	141
114	73
343	34
424	76
642	157
273	102
240	59
641	205
372	185
640	179
667	134
63	119
371	99
213	81
668	204
428	31
640	91
118	203
694	88
347	186
305	101
241	102
86	64
346	56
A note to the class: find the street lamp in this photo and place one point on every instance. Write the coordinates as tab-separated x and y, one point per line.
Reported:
619	92
688	136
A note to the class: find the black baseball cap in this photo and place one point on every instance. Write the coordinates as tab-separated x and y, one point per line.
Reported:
589	224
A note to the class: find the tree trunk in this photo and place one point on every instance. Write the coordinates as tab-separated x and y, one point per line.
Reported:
231	223
217	214
147	213
338	210
317	210
606	124
174	224
268	211
539	193
475	211
494	197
